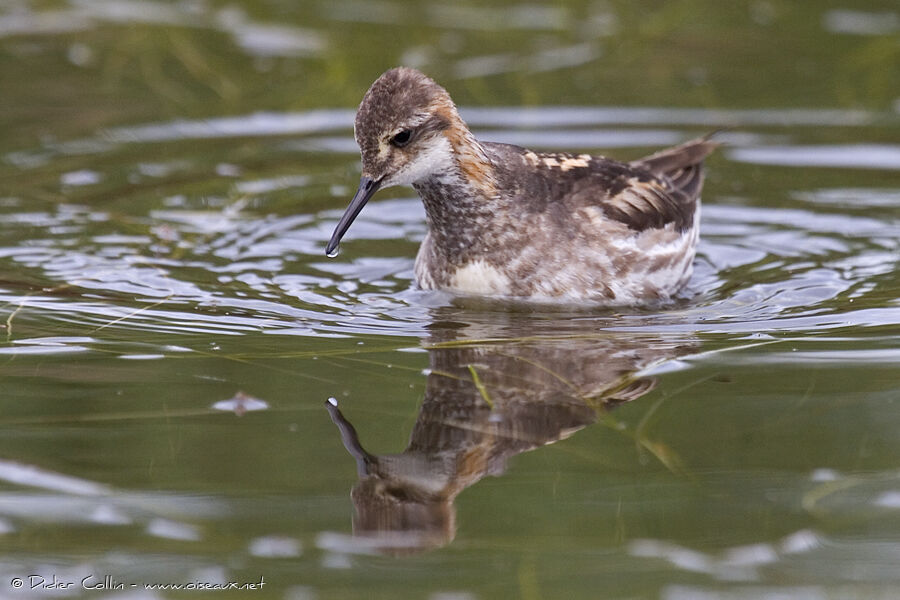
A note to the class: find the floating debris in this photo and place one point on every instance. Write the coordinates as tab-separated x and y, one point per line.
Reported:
241	403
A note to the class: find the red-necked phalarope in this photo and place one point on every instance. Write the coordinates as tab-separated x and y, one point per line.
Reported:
506	221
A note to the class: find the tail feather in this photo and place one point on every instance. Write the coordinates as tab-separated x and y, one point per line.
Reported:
682	165
670	161
689	180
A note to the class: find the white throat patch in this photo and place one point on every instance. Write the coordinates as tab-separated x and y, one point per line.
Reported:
436	157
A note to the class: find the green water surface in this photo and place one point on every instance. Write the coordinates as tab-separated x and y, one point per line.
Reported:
170	329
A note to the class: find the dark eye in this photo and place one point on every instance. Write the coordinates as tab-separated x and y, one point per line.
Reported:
402	138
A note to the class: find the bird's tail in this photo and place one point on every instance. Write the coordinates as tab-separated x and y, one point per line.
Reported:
682	164
666	162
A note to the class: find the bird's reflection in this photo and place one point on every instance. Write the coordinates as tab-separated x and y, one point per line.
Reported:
489	396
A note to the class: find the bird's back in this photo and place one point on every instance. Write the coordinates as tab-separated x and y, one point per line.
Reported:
648	193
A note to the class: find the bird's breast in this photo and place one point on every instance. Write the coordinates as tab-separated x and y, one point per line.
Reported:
480	278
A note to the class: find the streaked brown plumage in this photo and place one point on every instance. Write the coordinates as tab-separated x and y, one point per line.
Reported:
506	221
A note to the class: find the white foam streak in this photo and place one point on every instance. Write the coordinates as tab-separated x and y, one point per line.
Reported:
857	156
29	475
254	124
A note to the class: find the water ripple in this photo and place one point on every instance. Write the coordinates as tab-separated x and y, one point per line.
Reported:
858	156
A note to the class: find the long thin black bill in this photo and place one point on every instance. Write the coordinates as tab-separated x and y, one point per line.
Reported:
367	189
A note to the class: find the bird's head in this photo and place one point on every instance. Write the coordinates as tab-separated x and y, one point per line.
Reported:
405	127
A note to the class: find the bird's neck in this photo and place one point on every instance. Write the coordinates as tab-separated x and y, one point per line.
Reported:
461	200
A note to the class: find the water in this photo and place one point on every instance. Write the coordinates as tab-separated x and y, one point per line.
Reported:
171	174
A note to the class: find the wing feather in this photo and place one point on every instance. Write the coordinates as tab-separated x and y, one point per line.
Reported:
652	192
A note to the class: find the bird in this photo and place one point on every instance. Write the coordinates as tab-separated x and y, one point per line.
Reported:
512	223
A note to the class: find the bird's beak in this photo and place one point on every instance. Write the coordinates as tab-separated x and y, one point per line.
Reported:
367	189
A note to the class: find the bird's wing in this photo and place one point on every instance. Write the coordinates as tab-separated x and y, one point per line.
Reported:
649	193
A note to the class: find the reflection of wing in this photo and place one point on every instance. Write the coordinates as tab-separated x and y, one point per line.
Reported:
486	401
630	391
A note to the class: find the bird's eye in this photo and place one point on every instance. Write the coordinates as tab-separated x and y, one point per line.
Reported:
402	138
